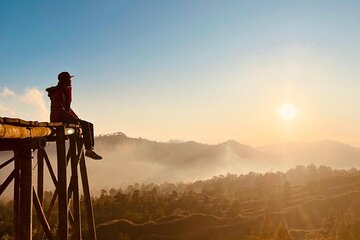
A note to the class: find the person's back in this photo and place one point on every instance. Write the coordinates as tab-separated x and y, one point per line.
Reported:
60	111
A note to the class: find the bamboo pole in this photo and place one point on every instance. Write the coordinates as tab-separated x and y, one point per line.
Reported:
10	131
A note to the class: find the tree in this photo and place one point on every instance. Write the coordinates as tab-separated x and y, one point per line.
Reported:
266	230
282	233
286	191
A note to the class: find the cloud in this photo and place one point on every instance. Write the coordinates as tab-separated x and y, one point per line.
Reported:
29	105
6	92
7	111
35	97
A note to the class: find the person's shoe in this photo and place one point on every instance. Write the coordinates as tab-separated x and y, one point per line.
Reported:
92	154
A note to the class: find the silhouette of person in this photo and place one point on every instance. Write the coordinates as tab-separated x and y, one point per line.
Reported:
60	96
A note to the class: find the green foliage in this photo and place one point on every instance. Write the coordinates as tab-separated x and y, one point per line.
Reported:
228	196
340	225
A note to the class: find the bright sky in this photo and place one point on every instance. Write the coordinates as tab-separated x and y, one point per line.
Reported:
207	71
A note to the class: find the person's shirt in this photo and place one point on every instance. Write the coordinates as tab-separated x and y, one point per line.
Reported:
60	110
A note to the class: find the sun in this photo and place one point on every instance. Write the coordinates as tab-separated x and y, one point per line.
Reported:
288	111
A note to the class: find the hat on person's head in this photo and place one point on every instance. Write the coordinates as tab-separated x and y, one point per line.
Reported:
64	75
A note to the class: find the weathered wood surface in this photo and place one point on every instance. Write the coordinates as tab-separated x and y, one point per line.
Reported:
15	128
75	189
17	132
23	154
23	137
62	183
87	195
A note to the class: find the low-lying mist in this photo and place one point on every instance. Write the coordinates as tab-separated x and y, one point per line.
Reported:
135	160
129	160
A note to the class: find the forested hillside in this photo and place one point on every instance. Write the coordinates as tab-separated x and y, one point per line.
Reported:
303	203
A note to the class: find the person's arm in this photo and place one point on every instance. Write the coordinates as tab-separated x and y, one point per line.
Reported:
69	99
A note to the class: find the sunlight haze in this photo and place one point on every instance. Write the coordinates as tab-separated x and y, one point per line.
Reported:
184	120
288	111
168	70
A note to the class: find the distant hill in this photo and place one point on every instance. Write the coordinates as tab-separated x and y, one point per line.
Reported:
128	160
326	152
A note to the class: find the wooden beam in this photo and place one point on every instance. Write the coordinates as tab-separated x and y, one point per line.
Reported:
19	122
7	181
49	211
53	199
52	124
8	144
51	171
52	203
41	216
6	163
24	153
40	185
87	197
62	183
75	189
17	199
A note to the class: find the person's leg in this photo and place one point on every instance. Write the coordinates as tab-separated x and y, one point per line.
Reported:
86	131
88	135
91	129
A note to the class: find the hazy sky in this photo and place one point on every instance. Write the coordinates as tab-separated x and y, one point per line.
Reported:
191	70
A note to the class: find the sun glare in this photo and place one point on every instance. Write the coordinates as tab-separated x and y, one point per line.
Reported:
288	111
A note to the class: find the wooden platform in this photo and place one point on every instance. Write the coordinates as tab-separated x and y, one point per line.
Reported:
23	138
15	128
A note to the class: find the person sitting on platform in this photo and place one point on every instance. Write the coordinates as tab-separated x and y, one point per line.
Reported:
61	111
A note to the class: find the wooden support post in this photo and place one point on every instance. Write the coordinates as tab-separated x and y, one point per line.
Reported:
62	183
86	190
17	199
40	186
75	189
24	136
23	153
